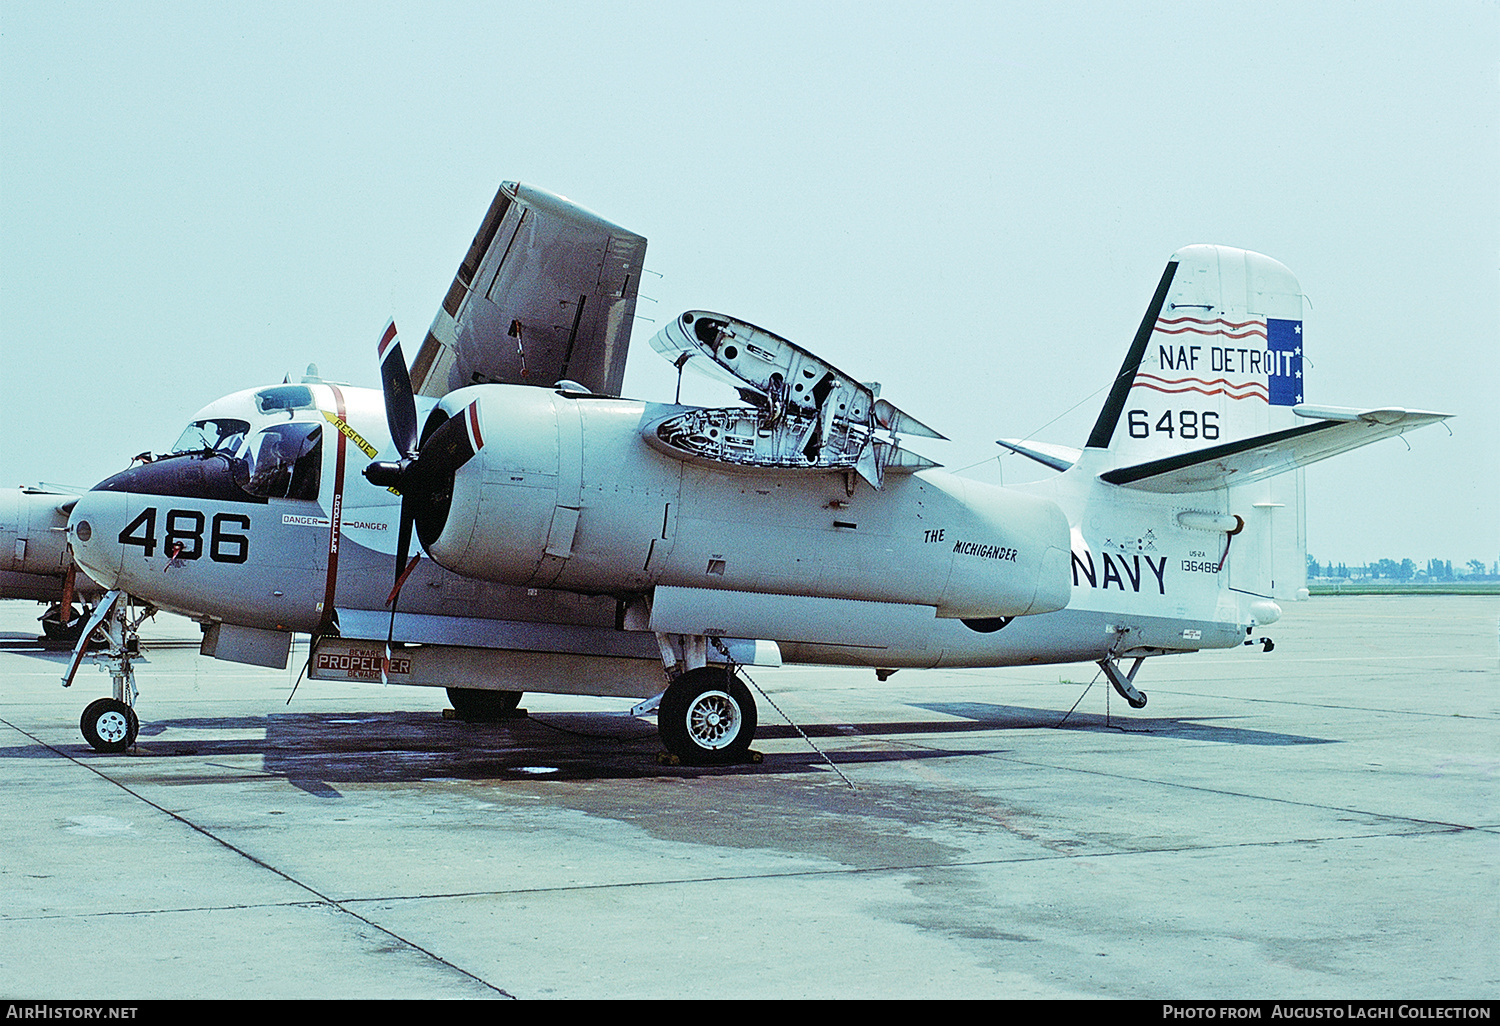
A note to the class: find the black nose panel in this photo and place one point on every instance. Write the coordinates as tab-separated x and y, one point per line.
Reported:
191	476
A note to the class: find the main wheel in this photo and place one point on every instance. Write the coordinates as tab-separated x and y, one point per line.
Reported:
57	627
109	725
481	704
707	717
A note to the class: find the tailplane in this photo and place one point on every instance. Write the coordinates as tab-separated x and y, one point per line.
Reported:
1332	430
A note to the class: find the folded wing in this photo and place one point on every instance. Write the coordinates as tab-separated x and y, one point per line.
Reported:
546	293
804	413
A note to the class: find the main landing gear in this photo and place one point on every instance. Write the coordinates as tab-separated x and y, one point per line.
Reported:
59	625
479	705
62	622
706	716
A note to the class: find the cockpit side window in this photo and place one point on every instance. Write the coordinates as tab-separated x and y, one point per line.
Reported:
221	436
285	462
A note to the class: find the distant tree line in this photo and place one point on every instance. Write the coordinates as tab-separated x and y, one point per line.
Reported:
1405	570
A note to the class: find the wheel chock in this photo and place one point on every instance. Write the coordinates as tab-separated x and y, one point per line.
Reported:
668	759
514	714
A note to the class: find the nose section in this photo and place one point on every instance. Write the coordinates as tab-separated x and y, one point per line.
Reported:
94	529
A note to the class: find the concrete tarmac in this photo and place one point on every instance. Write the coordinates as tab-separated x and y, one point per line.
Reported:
1319	822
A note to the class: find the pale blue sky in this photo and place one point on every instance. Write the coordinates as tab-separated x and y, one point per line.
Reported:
968	202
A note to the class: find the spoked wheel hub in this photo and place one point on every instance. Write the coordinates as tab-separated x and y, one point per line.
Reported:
713	720
707	717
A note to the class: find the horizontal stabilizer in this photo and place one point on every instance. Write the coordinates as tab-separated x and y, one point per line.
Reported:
1334	431
1058	457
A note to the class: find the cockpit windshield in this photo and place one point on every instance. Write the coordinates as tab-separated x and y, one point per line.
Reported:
212	436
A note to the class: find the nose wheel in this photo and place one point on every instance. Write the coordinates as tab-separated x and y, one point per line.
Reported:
109	725
707	717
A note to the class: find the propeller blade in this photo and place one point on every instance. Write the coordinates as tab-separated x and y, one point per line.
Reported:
395	383
390	632
403	544
430	479
395	594
424	478
452	445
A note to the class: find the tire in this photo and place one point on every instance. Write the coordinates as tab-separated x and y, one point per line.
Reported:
707	717
55	628
109	726
480	705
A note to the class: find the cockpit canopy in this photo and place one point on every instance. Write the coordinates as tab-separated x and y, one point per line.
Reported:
284	397
278	460
284	461
254	446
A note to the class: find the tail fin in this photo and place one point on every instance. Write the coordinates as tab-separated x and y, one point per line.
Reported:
1217	358
1216	362
1207	413
1209	402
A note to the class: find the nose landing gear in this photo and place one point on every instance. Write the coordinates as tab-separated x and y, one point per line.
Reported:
110	725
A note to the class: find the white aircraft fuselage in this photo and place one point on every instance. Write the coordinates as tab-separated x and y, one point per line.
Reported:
947	570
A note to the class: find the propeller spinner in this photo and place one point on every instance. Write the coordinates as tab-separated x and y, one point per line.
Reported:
424	473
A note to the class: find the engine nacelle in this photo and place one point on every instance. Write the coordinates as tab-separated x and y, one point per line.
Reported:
34	556
565	493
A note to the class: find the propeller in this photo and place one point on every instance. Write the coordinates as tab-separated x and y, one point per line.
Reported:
423	474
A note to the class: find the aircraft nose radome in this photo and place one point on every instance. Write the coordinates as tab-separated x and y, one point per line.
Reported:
93	535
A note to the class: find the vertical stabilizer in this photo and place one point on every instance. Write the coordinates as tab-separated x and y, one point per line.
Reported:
1218	357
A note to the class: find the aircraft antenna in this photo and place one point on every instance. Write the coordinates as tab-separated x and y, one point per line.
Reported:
311	644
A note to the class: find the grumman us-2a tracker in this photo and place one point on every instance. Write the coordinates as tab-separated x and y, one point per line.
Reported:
586	543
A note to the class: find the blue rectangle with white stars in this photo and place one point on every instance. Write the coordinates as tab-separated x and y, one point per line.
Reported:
1284	345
